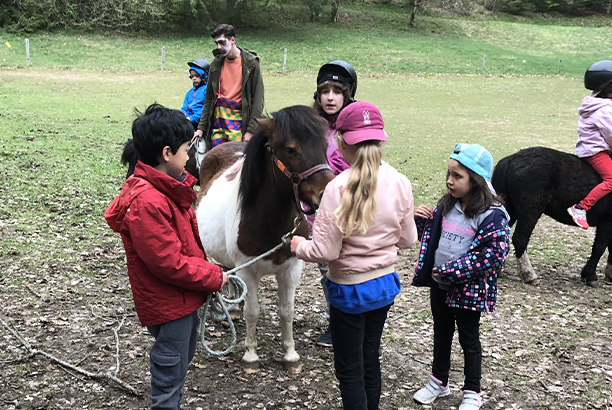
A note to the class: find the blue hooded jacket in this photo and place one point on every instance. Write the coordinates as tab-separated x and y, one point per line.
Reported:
194	99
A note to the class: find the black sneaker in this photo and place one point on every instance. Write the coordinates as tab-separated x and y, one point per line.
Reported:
325	339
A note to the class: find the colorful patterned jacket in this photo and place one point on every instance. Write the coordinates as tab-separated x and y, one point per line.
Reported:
473	276
252	93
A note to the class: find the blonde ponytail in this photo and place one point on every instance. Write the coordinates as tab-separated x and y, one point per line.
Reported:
358	203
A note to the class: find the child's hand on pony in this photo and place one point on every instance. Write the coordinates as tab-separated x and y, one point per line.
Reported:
295	241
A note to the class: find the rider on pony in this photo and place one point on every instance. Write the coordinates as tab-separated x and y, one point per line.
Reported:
594	143
194	99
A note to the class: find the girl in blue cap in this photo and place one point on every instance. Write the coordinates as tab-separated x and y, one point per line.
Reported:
464	241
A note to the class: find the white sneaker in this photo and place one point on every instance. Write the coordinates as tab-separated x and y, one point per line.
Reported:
579	216
471	400
432	390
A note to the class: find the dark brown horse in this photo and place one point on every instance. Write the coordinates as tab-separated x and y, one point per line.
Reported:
539	180
197	150
250	195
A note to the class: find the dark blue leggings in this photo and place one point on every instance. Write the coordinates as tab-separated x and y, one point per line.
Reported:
356	339
468	326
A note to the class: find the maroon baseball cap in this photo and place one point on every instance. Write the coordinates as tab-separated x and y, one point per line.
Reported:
360	121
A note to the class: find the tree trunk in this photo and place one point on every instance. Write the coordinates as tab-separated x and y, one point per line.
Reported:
415	9
335	9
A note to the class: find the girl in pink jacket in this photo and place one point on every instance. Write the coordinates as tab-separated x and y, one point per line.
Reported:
366	213
595	136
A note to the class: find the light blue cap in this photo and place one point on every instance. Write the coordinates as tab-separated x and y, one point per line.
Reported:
474	157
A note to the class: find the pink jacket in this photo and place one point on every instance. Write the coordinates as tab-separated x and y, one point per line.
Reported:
594	127
359	258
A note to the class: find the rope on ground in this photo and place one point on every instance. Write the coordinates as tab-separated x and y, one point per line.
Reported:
108	375
218	306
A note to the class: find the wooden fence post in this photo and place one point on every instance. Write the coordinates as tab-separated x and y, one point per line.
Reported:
27	52
163	59
559	67
387	67
484	64
285	62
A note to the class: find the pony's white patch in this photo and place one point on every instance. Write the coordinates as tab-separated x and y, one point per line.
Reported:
235	168
218	218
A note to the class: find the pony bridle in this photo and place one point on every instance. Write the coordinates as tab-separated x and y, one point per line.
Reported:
297	177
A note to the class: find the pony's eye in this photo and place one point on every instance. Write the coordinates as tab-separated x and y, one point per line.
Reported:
290	150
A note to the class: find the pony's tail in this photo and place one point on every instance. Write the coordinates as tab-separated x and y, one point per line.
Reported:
498	180
129	156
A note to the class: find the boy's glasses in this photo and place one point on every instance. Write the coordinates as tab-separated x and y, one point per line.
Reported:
192	76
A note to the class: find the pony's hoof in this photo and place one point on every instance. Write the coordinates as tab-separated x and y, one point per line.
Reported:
250	367
293	367
593	283
535	282
608	272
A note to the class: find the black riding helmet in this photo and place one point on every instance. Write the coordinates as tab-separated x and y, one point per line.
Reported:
598	76
201	64
341	71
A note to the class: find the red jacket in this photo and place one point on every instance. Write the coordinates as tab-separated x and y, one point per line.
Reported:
167	266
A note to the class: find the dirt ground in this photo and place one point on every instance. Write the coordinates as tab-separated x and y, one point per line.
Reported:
545	347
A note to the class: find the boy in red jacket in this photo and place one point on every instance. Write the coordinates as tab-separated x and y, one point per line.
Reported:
169	274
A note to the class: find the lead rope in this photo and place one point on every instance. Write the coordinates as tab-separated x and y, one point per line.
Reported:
218	304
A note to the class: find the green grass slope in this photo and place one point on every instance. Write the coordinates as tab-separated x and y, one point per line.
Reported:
366	38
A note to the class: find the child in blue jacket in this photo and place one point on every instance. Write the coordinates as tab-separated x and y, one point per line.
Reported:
194	99
464	242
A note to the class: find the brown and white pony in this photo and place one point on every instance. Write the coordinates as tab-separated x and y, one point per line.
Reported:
250	195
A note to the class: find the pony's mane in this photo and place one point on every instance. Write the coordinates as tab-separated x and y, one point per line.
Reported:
299	123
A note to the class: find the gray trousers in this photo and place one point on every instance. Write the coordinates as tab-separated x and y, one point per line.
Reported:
173	350
323	268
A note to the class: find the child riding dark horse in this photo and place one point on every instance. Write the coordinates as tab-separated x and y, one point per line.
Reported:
594	143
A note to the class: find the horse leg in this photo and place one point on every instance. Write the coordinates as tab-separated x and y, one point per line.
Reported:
250	359
287	283
520	240
608	270
602	241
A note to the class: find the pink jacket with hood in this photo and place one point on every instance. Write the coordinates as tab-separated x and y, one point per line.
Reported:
359	258
594	127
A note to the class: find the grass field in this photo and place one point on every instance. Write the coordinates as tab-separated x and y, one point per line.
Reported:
63	131
365	37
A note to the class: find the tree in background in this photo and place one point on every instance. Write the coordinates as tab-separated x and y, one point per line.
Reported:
143	16
315	8
416	6
117	15
335	9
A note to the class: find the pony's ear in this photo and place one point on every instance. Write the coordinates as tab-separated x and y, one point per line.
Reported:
266	125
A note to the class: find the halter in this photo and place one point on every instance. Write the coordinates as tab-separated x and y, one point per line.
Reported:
297	177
